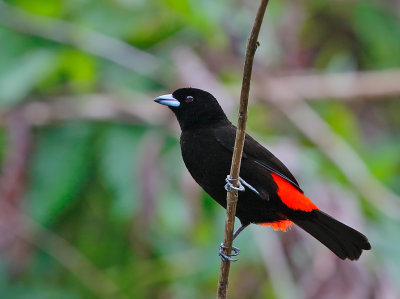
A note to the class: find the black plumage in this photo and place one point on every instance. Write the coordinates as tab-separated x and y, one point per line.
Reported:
207	142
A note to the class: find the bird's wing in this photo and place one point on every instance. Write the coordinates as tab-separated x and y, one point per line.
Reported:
253	150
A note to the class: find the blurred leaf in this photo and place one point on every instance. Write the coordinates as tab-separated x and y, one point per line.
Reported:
383	236
171	210
341	62
200	15
342	120
39	291
379	30
116	79
41	7
60	165
384	161
23	74
14	46
120	21
75	69
119	161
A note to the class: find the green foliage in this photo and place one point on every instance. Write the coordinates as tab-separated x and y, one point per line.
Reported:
377	29
119	160
26	72
60	165
47	7
86	180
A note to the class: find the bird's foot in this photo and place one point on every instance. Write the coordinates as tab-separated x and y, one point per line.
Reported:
229	184
226	257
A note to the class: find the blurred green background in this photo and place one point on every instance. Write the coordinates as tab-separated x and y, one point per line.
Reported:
95	200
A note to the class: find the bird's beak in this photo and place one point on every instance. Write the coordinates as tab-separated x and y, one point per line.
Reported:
167	100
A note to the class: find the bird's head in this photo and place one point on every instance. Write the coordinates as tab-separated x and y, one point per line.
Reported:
193	107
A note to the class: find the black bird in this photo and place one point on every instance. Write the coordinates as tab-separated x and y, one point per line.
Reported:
272	197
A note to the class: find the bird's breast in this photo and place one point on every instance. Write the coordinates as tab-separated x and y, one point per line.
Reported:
207	161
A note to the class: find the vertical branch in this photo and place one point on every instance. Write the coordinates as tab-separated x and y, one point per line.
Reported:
232	197
12	188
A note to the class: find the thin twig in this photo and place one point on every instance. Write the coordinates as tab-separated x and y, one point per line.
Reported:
12	186
95	107
344	86
232	197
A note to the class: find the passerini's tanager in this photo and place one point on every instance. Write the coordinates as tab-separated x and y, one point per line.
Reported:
272	195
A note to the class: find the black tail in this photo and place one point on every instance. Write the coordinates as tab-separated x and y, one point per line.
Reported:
344	241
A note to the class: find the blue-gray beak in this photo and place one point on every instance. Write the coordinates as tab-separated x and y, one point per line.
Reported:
167	100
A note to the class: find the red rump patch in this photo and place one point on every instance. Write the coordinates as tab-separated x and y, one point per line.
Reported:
279	225
292	197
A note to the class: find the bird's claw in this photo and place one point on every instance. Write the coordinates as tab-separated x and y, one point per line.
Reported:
226	257
229	184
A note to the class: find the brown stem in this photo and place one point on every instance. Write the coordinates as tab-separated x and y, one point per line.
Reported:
232	197
12	186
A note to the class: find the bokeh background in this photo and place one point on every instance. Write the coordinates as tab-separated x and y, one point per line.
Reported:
95	201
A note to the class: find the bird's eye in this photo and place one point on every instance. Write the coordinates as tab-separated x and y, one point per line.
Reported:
189	99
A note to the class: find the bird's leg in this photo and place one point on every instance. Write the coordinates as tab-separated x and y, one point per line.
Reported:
236	250
229	187
249	186
239	230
